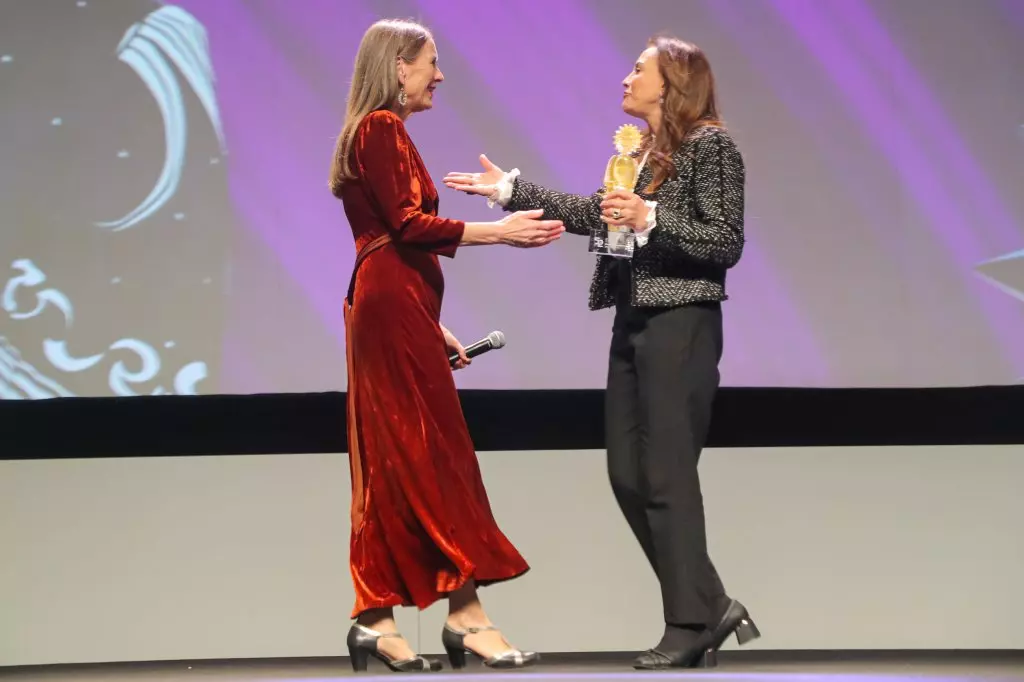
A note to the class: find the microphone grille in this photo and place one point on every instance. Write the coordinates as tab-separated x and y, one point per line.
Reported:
497	339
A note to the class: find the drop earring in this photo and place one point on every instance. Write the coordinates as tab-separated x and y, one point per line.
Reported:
402	98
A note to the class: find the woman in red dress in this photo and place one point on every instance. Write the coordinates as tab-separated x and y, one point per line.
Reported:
422	527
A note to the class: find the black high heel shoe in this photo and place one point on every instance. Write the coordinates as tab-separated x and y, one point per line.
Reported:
362	643
698	655
454	642
734	620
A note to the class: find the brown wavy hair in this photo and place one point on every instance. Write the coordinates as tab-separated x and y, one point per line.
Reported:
689	103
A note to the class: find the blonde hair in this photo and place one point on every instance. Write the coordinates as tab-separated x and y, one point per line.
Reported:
375	84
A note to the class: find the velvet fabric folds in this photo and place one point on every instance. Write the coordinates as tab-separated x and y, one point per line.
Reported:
421	521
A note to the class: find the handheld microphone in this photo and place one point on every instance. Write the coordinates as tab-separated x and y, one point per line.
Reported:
492	341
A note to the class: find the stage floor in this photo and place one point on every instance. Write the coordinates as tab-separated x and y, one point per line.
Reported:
941	667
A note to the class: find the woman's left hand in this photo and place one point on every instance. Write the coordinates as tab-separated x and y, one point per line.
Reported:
453	346
624	209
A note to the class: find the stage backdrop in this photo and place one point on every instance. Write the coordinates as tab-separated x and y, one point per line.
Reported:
167	228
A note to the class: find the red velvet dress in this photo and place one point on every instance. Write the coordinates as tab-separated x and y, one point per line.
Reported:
421	522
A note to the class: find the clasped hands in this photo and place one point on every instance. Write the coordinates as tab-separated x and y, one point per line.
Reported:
619	208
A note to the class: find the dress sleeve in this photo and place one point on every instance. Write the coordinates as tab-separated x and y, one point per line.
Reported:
385	157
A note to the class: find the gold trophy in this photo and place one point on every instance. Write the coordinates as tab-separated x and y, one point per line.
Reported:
620	174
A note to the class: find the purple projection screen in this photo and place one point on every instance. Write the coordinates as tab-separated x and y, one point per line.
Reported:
167	228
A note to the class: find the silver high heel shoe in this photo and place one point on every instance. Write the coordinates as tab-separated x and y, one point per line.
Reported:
454	642
362	643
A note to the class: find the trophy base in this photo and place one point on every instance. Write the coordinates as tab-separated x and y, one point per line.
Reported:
613	243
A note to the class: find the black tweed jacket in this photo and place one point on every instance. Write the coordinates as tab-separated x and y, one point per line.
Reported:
699	231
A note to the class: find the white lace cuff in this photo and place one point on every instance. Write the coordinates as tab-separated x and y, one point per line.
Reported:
503	189
652	222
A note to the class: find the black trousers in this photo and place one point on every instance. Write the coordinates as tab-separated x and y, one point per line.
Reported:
662	378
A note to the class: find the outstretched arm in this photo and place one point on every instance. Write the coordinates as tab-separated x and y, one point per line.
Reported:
579	213
385	156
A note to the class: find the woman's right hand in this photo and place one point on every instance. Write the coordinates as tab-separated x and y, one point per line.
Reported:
476	183
525	229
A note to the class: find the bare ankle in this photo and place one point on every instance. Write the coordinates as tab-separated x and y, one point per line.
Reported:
463	598
468	621
381	620
468	614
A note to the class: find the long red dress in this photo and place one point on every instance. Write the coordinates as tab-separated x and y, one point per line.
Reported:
421	522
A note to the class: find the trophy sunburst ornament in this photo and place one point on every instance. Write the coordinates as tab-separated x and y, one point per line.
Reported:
622	168
627	139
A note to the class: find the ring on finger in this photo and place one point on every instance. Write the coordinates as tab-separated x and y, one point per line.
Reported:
616	213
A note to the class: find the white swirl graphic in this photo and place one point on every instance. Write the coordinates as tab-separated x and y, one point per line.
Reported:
57	353
121	376
20	380
169	35
183	39
167	46
32	276
188	378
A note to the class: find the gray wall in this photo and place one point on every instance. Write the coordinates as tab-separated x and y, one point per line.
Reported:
223	557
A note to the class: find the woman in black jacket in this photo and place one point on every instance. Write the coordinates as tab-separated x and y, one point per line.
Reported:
687	218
